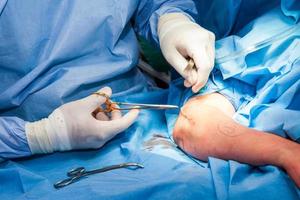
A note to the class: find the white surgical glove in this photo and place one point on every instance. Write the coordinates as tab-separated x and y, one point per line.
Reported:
73	126
180	38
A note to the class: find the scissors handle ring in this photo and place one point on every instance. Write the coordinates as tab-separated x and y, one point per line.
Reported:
108	103
76	172
79	172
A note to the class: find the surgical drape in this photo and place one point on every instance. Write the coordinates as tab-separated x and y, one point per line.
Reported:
53	52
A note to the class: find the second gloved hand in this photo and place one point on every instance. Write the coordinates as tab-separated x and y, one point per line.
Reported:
180	38
72	126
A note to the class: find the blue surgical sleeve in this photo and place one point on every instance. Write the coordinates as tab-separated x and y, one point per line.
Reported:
148	12
13	142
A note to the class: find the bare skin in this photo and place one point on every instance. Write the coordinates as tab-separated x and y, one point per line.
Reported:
205	128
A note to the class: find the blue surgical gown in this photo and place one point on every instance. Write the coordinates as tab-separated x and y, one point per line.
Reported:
53	52
169	173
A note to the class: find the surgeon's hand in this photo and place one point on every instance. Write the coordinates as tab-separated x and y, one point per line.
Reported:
73	126
180	39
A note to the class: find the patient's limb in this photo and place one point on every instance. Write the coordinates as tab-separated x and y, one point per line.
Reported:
205	128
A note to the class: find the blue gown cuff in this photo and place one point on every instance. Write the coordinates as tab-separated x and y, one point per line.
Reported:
13	141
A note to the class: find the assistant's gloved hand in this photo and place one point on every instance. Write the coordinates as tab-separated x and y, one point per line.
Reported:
180	38
72	126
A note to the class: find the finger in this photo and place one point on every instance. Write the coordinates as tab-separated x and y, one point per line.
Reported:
192	76
204	66
94	100
178	62
116	114
102	116
203	77
187	84
119	125
210	52
210	49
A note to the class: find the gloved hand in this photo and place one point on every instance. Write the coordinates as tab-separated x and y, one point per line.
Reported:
72	126
180	38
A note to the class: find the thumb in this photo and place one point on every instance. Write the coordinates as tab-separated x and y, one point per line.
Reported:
204	65
94	100
179	62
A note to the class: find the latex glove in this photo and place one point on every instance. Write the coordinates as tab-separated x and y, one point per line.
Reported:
180	38
72	126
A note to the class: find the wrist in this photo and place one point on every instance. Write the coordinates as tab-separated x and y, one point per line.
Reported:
168	22
37	137
48	135
172	17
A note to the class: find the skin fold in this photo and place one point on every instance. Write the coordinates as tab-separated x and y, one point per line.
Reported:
205	128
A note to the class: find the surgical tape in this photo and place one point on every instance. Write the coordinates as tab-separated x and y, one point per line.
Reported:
48	135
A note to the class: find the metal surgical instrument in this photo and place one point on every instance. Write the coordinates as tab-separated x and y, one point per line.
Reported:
111	105
80	172
190	67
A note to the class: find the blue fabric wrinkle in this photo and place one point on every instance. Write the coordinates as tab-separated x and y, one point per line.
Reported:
261	104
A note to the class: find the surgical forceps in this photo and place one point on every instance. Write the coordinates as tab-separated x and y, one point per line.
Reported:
111	105
80	172
190	65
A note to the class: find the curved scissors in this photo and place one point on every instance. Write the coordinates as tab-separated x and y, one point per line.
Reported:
80	172
111	105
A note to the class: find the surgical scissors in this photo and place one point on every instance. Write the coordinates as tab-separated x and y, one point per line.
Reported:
80	172
111	105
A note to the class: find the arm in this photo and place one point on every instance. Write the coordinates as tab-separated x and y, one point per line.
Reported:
205	128
74	125
171	24
13	142
149	11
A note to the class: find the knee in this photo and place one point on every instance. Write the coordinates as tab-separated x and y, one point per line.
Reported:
197	128
193	140
191	132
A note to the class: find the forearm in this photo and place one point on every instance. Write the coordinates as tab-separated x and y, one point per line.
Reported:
13	142
148	13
